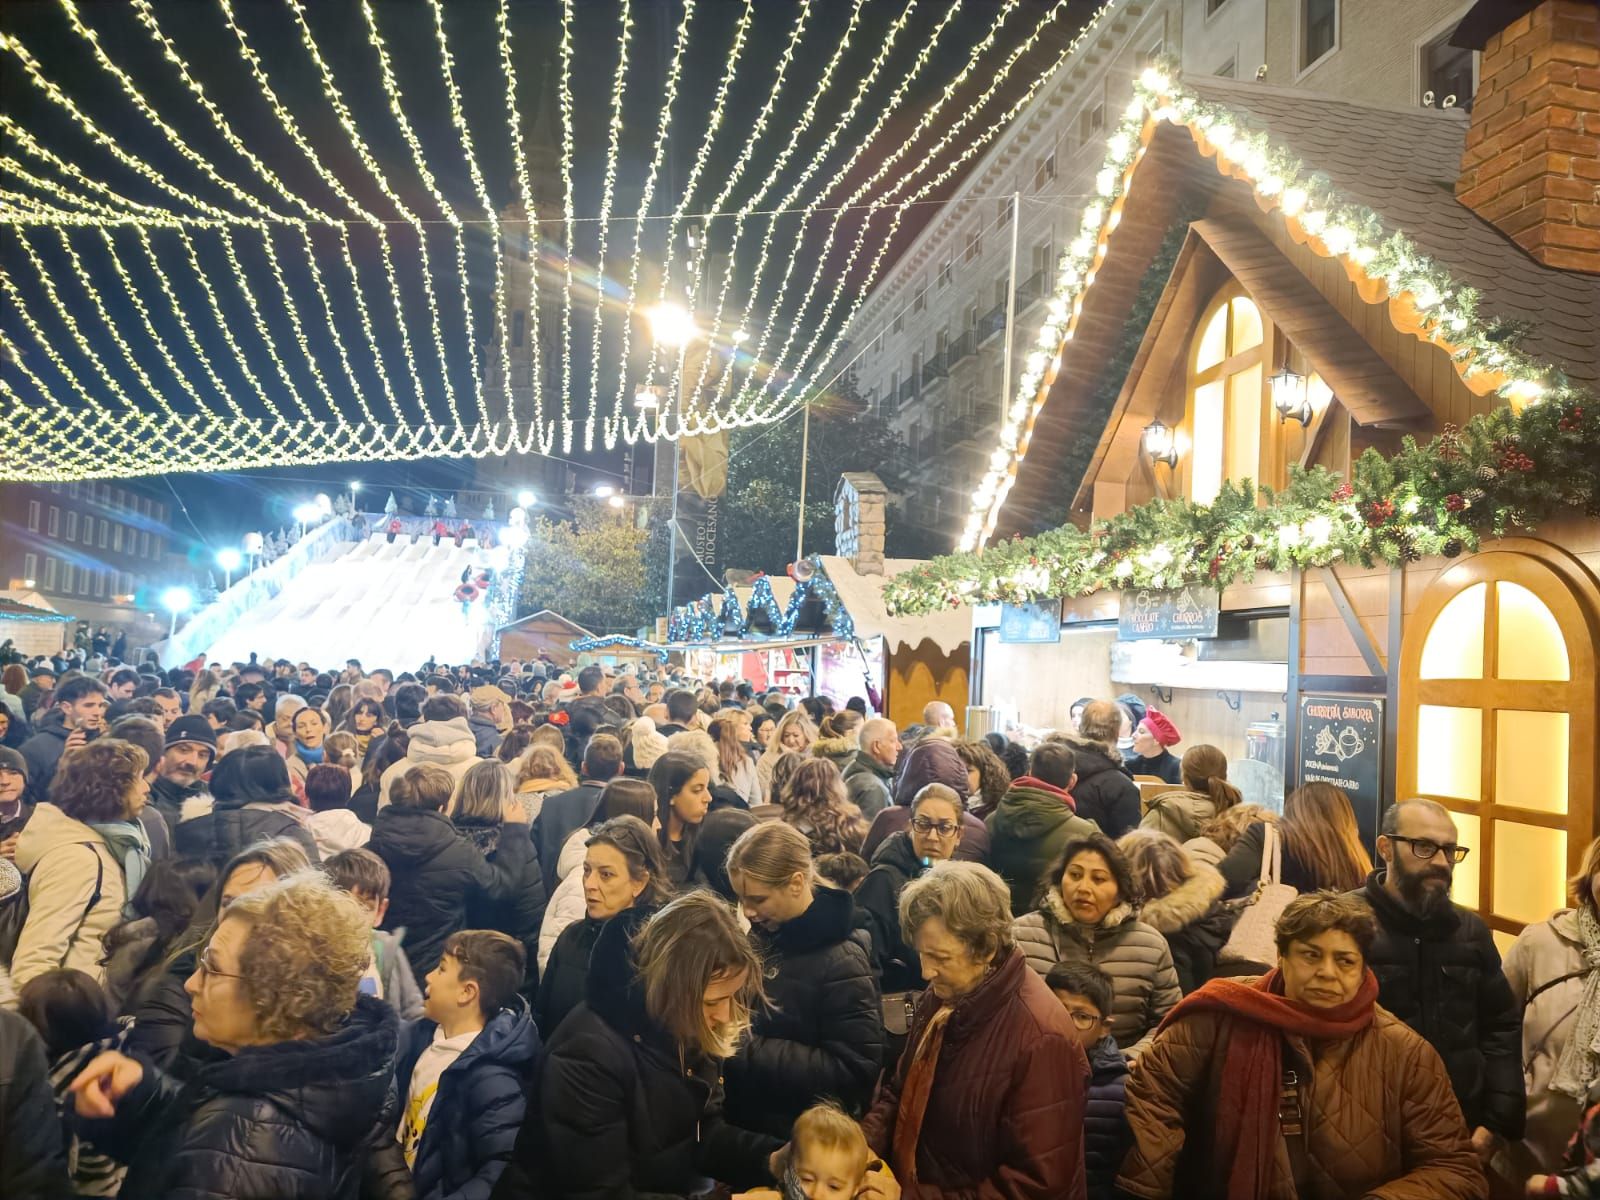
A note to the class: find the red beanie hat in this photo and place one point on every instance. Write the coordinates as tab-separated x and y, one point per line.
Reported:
1158	726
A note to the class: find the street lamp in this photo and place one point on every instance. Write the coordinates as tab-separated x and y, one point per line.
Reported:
672	325
175	600
306	514
355	486
228	559
526	499
1160	444
615	501
605	491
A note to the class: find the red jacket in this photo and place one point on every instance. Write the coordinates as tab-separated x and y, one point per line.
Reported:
1005	1117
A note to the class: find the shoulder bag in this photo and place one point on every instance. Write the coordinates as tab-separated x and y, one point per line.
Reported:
1254	939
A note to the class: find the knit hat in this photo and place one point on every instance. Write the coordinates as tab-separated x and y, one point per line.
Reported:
1134	705
10	760
568	690
193	729
10	881
648	745
486	694
1158	726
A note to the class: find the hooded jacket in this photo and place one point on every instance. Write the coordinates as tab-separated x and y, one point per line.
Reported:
878	912
837	750
1026	832
932	760
33	1161
75	896
1441	975
295	1119
821	1033
1195	923
1106	1136
620	1109
1005	1116
566	902
171	800
1105	792
867	781
436	871
448	744
520	911
1181	815
1144	984
486	735
42	752
1380	1120
478	1107
234	823
565	973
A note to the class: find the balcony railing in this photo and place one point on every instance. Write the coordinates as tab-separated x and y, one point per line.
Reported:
963	347
958	430
991	323
1033	290
937	367
908	391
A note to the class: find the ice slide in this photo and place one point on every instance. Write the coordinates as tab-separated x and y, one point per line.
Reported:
387	605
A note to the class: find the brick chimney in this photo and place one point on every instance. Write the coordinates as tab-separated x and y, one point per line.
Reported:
860	506
1532	160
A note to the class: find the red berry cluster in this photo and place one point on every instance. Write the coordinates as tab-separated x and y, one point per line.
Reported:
1573	420
1455	502
1379	511
1512	459
1342	493
1216	565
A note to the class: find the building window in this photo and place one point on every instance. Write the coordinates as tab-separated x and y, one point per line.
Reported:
1091	121
1227	70
157	547
944	274
1044	171
116	539
88	531
1156	49
1002	212
974	245
30	570
518	319
899	322
72	490
877	343
1213	5
49	574
69	577
122	499
920	300
33	516
144	543
1319	30
100	585
105	533
127	583
1449	71
53	526
72	526
1227	398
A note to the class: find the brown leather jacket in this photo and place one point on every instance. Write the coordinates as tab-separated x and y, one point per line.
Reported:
1381	1120
1005	1117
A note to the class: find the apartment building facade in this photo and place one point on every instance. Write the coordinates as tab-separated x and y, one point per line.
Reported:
932	333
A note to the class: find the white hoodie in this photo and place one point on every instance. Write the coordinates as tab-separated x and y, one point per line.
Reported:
448	744
337	829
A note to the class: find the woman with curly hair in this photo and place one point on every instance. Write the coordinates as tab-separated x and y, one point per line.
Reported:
795	735
818	805
987	774
83	853
542	771
365	720
276	990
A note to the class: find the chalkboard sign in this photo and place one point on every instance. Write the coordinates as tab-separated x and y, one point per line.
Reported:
1341	742
1037	622
1186	613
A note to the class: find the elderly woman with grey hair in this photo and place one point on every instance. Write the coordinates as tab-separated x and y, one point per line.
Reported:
989	1093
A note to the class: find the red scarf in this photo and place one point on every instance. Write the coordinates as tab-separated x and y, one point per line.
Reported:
1252	1077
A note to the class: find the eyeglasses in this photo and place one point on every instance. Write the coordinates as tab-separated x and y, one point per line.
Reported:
943	828
1426	849
207	971
1085	1020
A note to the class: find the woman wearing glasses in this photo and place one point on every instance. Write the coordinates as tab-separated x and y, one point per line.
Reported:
935	832
301	1097
1089	913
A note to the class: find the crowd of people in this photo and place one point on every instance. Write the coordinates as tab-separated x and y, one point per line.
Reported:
500	930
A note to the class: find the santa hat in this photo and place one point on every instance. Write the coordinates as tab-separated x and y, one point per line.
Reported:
1160	727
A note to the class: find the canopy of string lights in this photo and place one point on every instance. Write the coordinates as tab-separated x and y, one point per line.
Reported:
238	236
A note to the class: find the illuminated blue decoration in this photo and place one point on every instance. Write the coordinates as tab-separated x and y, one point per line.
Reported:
617	639
706	621
15	610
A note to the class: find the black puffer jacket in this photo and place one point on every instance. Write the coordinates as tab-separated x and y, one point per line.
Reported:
619	1113
1105	792
304	1120
1106	1136
1442	976
42	752
437	872
33	1154
821	1036
519	914
229	827
878	912
561	986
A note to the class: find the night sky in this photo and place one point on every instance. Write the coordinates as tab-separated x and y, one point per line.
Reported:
221	506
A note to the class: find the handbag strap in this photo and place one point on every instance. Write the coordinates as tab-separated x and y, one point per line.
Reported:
1271	855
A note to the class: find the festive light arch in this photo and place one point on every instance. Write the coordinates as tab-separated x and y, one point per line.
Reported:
362	300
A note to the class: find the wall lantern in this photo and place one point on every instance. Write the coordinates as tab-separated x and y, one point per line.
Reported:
1289	395
1159	443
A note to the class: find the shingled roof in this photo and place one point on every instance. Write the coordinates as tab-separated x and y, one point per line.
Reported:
1403	163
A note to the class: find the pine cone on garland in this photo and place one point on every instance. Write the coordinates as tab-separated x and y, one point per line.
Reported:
1453	548
1487	474
1474	495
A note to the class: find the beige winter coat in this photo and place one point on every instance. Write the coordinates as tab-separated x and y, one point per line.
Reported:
1541	954
1135	956
448	744
64	861
1180	815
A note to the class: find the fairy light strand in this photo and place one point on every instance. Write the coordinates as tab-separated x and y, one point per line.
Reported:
519	158
613	141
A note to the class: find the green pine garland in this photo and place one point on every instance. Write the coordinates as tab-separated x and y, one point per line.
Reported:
1503	472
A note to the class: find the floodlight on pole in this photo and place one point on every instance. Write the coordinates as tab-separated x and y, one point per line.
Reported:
229	560
526	499
305	515
604	491
355	486
175	600
672	325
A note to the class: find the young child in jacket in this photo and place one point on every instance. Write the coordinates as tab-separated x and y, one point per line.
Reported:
827	1158
1085	992
366	877
465	1068
1582	1176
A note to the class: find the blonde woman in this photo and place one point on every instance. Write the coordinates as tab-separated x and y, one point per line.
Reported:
630	1095
796	735
542	772
206	688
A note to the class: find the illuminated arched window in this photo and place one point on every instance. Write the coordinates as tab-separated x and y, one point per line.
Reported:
1226	395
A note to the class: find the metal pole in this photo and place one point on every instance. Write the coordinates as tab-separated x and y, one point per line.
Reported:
672	535
805	454
1011	307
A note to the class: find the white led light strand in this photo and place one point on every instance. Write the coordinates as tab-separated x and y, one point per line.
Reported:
519	156
568	212
613	139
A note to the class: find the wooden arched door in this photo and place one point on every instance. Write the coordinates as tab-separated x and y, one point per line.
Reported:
1497	722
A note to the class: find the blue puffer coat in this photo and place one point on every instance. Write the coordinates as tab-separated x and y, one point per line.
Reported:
478	1108
1106	1136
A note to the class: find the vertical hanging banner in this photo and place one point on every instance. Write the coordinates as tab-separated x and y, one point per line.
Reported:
702	482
